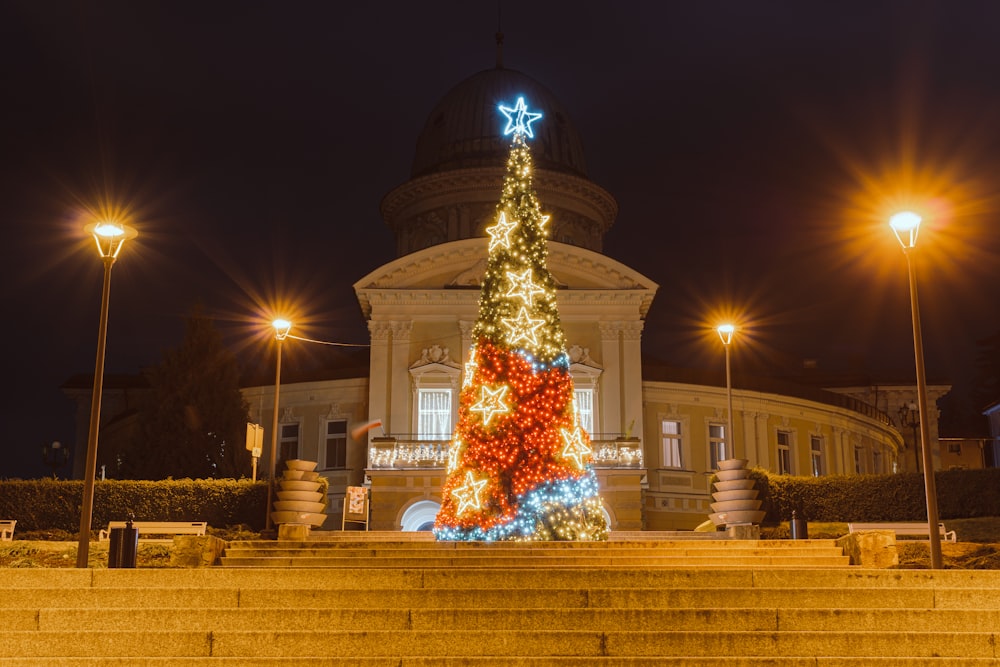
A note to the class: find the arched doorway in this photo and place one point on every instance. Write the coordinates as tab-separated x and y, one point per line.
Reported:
419	516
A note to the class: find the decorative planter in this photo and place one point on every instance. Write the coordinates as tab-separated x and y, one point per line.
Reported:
735	496
299	501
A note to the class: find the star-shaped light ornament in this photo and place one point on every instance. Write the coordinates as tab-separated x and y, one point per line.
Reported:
491	402
519	119
523	287
523	327
454	455
470	368
468	495
575	448
544	221
500	232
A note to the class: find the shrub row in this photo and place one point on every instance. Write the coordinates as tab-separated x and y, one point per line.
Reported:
49	504
961	494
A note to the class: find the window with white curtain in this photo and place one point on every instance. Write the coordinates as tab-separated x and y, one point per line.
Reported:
585	408
670	433
433	414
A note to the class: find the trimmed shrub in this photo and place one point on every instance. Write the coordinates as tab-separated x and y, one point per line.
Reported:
49	504
961	494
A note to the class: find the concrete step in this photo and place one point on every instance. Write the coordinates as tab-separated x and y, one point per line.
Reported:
404	619
538	578
664	553
529	562
493	643
469	598
548	661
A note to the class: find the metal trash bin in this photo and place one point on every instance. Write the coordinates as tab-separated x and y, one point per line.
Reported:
800	529
123	546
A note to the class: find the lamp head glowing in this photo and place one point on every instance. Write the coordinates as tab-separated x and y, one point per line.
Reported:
110	236
281	328
726	333
906	225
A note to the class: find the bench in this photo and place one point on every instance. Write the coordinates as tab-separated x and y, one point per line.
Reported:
7	529
159	528
905	529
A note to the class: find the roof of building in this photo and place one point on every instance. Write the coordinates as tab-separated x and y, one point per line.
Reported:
464	130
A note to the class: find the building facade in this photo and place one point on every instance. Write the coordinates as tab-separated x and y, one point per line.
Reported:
657	437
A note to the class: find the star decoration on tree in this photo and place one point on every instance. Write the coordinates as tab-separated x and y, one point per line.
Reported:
454	454
523	287
522	327
470	368
491	402
500	232
468	495
519	119
575	448
544	221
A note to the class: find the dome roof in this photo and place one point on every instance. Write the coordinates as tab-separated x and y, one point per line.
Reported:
464	129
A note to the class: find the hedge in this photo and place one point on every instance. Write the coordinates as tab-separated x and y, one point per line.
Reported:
46	504
961	494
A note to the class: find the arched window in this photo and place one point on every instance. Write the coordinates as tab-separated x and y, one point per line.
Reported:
420	516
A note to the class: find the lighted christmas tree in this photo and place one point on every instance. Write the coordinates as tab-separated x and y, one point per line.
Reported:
519	464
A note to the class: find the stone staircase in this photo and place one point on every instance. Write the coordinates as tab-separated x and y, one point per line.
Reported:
351	549
370	600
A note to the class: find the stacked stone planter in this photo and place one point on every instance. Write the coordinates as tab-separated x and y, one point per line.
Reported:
735	496
300	502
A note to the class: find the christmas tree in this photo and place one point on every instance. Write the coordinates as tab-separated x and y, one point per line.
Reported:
519	464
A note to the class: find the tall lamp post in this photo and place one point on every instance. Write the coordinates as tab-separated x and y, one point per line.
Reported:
726	334
906	225
55	456
281	328
109	237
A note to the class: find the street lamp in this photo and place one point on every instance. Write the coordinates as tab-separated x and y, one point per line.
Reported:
906	225
109	237
55	456
726	334
281	328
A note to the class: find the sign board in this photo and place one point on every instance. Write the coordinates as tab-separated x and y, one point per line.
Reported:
255	439
356	506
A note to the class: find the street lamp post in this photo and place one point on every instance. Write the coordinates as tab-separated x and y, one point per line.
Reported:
726	334
281	328
55	456
110	237
906	225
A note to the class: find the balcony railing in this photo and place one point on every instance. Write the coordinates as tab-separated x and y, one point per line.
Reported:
406	452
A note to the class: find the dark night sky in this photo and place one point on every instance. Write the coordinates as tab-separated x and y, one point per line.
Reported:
755	150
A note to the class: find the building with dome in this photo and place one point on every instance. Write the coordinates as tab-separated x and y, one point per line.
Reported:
657	433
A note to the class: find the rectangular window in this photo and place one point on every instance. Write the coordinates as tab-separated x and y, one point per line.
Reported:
784	453
816	452
288	445
859	460
585	409
670	432
954	449
877	462
434	414
336	443
718	448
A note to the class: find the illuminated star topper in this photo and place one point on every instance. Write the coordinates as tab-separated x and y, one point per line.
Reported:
519	119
